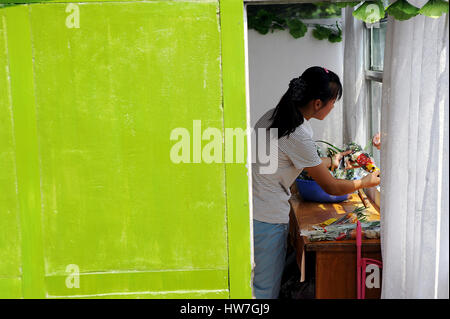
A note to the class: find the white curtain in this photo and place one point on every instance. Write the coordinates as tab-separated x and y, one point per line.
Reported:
355	109
414	158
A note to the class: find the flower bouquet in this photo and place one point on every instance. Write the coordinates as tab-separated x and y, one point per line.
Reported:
359	159
356	158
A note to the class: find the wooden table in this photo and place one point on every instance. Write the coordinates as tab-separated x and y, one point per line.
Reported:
335	261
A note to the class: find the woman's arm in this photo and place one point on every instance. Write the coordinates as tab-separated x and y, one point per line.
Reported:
337	187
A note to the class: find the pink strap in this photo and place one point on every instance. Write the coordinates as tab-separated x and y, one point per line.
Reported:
358	234
358	260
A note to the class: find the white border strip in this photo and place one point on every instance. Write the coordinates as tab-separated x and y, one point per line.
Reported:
249	142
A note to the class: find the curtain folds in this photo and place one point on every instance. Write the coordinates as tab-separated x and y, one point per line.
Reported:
414	158
355	109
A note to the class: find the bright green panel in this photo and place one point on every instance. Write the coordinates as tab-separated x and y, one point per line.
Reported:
9	208
26	148
10	288
108	95
239	223
133	282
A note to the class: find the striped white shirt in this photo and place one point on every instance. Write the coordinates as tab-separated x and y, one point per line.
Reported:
271	192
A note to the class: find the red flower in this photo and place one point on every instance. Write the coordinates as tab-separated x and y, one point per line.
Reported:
363	160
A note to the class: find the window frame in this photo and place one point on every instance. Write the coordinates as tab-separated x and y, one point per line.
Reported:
371	76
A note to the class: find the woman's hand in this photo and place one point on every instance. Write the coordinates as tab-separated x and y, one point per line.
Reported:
370	180
335	160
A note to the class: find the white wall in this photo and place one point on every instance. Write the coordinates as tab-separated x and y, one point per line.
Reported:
275	58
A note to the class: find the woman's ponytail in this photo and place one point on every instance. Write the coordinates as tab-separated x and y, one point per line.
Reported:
286	116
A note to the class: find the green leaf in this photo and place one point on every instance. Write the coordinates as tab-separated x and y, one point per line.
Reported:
402	10
337	149
370	11
335	36
434	8
297	28
262	21
320	32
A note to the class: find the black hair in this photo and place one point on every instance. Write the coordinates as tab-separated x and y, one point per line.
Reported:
315	83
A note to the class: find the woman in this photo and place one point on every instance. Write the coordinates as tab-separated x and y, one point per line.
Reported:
312	95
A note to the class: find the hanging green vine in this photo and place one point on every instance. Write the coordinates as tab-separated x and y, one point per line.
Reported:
292	17
373	11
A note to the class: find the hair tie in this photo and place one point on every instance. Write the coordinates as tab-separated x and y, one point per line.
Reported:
325	70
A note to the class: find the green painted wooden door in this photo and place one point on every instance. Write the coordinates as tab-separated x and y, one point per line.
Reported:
91	203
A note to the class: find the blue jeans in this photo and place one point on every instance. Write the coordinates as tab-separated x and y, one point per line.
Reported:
270	241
